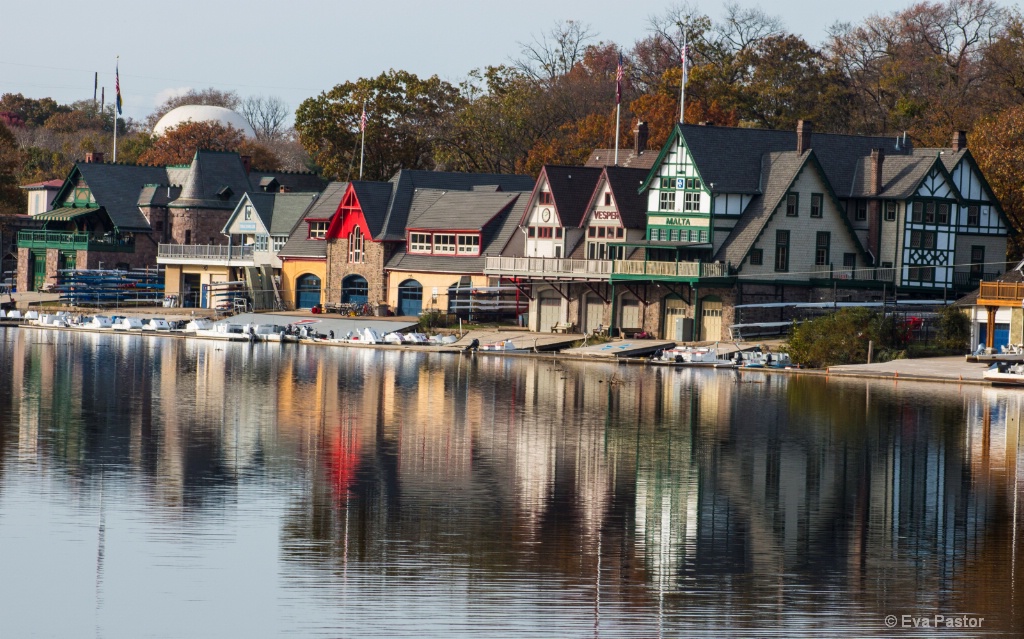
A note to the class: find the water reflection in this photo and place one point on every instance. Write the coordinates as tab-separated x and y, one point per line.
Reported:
369	493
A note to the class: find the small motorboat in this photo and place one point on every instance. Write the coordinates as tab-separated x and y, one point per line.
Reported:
693	356
503	345
198	324
128	324
157	324
271	333
759	359
226	332
99	323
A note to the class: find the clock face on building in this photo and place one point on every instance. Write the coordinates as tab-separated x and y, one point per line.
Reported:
545	214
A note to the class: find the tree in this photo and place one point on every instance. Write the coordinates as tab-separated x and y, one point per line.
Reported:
556	52
211	97
12	199
178	145
266	115
997	144
406	119
29	110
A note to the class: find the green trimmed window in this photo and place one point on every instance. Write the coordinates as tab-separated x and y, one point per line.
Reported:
782	251
792	204
817	203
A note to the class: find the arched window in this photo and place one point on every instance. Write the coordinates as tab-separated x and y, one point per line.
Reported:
355	246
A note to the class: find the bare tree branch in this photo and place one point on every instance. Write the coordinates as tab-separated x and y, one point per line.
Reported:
266	115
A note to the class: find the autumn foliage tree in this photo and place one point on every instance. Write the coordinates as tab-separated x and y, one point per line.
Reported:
178	145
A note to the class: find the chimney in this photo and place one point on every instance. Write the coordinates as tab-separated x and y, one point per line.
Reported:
877	158
246	163
94	157
803	135
284	189
959	141
640	138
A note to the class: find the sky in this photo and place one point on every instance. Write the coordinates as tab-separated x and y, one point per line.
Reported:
297	49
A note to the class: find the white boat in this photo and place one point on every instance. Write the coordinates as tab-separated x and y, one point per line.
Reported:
393	338
199	324
503	345
99	322
415	338
271	333
693	356
1005	374
15	314
157	324
759	359
128	324
31	315
364	336
228	332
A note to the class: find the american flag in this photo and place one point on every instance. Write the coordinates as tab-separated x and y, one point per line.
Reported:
362	119
685	54
117	87
618	82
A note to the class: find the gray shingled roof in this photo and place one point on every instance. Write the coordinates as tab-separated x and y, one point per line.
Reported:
901	175
463	210
217	180
496	234
299	244
116	188
279	212
405	182
572	188
291	180
730	158
631	204
373	200
777	172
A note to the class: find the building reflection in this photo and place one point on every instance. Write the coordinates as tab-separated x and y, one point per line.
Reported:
599	476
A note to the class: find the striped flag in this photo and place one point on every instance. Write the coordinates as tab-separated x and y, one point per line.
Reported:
362	119
117	87
618	82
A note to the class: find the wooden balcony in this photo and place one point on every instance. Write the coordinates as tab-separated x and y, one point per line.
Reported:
1001	294
548	268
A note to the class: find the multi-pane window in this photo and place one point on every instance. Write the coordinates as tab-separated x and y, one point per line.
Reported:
862	210
545	197
704	237
261	243
444	243
929	213
469	244
917	215
419	243
691	201
318	230
545	232
977	262
973	215
943	216
849	260
279	241
921	273
792	203
756	257
248	212
890	211
781	251
822	248
356	254
817	200
667	197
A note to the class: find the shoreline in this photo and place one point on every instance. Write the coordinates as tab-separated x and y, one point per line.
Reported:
957	370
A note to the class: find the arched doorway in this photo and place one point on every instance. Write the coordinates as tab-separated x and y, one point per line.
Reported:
711	319
676	326
410	298
307	291
355	290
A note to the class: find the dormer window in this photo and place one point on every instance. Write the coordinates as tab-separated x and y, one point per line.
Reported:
318	230
444	243
469	245
225	193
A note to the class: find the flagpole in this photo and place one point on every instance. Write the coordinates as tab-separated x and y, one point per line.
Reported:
618	106
618	110
362	149
117	81
682	84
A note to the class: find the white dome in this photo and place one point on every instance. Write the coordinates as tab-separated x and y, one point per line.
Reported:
203	113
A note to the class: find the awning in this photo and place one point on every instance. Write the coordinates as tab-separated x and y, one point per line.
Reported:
65	214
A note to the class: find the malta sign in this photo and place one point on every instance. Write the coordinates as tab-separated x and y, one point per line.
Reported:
675	220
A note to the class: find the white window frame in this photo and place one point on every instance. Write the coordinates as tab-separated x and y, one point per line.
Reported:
468	245
318	230
420	243
444	244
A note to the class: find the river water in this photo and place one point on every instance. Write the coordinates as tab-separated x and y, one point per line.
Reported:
154	487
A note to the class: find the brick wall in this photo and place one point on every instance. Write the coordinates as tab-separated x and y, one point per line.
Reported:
372	268
205	226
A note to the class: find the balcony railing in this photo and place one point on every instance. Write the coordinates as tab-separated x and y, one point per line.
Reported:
548	267
74	242
670	269
1002	291
863	274
205	252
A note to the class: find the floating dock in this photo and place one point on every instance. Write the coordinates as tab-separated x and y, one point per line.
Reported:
620	349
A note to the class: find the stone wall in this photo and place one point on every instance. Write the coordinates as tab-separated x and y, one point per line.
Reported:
375	255
203	226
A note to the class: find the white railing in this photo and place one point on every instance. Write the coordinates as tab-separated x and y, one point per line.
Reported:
205	252
671	269
548	266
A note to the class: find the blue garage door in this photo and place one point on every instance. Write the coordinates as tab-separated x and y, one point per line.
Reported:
410	298
307	291
1002	336
354	290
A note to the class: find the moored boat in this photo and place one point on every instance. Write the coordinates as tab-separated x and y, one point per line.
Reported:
128	324
693	356
1005	374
